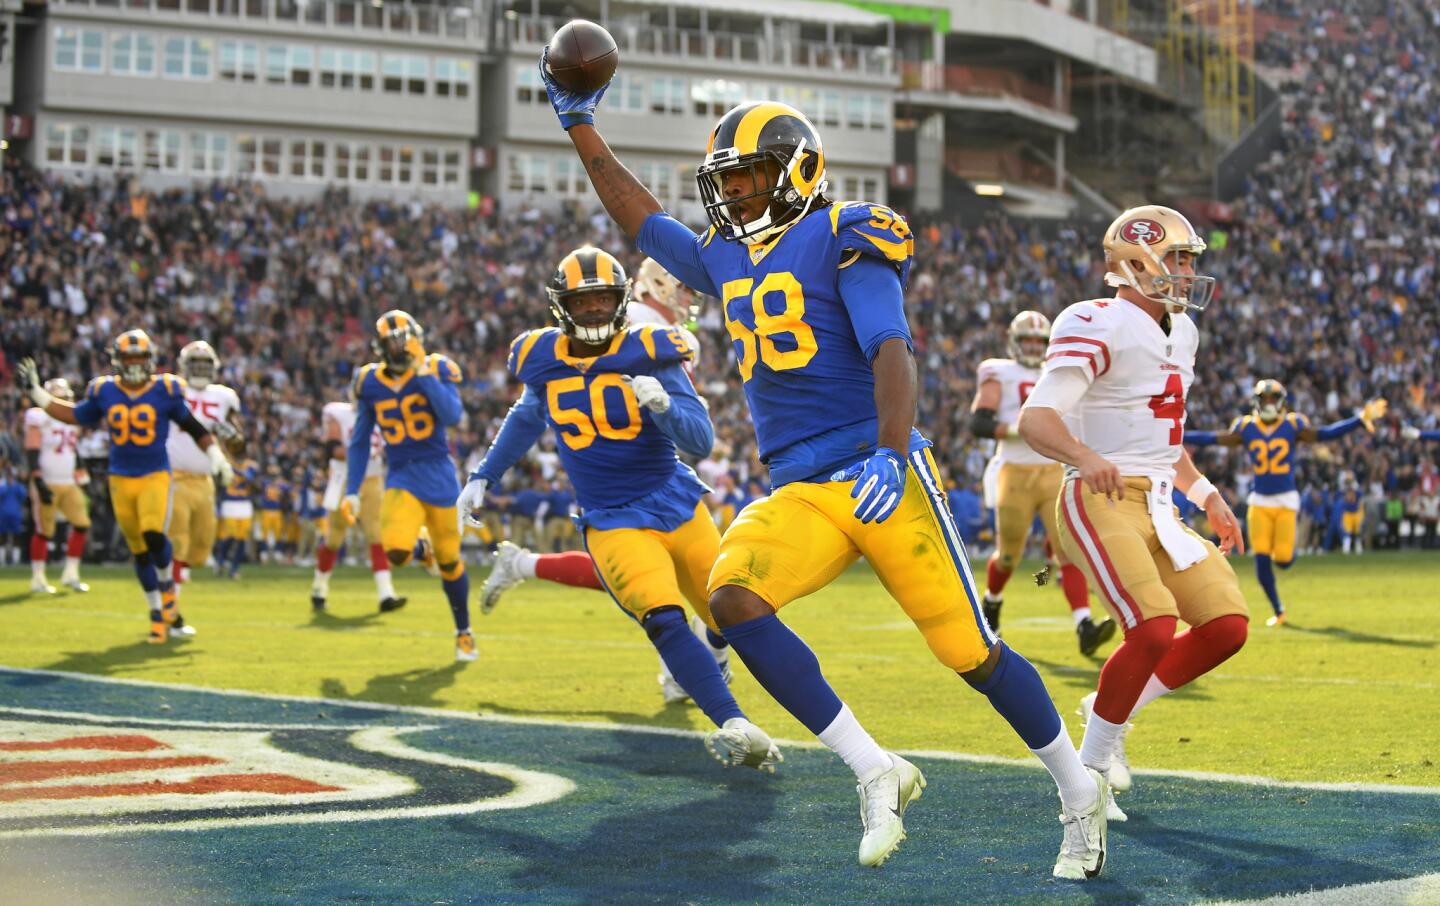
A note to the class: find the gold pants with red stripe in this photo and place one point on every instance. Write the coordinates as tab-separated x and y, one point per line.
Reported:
1115	543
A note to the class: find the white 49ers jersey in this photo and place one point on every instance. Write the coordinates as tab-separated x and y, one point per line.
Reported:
639	313
211	405
1015	382
343	415
1134	412
57	446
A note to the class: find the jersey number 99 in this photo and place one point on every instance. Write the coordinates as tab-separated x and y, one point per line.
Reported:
134	425
756	339
411	422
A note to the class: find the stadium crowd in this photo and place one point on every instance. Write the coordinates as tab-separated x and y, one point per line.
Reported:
1326	269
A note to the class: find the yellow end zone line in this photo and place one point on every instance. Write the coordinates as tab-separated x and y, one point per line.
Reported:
938	755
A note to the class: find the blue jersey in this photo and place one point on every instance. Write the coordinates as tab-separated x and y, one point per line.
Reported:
620	457
526	502
12	504
273	494
139	420
803	347
244	485
412	412
1271	449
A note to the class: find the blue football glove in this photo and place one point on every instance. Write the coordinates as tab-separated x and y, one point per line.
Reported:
572	107
879	483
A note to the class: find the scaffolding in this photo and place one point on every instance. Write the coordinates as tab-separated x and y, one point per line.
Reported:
1217	39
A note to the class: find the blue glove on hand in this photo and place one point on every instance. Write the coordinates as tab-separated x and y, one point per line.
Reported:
572	107
879	483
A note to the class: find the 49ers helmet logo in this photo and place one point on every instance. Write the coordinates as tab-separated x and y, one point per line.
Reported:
1147	231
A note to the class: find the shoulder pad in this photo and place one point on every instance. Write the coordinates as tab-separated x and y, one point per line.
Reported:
361	375
990	368
1299	421
875	230
522	346
1239	423
664	344
1081	337
445	367
95	384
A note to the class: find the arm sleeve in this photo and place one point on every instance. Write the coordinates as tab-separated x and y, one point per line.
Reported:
677	249
1430	435
442	389
1059	389
182	416
87	411
1079	342
875	302
1200	438
523	426
686	422
1338	429
357	454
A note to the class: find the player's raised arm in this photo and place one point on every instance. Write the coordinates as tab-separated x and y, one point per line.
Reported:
1373	411
27	376
1228	438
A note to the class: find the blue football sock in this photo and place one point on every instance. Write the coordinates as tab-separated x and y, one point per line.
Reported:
716	640
1017	692
1266	574
457	592
145	570
787	668
692	666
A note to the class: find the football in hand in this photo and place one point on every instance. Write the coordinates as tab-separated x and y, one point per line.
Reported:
582	56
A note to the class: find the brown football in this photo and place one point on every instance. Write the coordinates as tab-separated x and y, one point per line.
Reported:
582	56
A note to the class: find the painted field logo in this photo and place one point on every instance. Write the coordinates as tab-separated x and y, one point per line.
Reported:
82	774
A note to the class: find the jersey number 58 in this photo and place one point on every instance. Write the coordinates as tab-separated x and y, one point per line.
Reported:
753	327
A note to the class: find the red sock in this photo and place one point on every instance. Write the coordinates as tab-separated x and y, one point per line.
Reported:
75	547
378	561
178	570
39	548
995	577
1130	666
574	568
1201	649
1077	590
324	559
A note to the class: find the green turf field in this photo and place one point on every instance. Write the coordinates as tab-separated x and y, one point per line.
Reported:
1346	692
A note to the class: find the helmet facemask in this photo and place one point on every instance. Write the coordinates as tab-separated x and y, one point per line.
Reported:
199	366
393	349
1176	291
1269	401
593	334
768	169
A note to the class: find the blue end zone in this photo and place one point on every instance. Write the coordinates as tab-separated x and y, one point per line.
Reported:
652	819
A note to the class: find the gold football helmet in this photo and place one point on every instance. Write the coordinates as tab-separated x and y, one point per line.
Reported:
1138	245
133	356
781	149
1270	397
199	365
60	389
1029	326
394	332
658	288
589	270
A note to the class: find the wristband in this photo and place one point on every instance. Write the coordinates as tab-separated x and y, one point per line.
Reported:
1200	491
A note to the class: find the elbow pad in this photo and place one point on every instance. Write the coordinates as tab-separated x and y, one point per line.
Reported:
983	423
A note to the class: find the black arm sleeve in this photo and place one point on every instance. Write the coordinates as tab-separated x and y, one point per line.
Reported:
333	449
32	458
983	423
191	426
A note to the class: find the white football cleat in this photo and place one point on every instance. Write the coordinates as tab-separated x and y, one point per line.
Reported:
1113	812
1082	850
504	575
75	585
721	655
1119	773
741	743
182	631
884	795
465	648
41	587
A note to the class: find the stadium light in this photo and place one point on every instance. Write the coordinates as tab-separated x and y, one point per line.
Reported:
989	188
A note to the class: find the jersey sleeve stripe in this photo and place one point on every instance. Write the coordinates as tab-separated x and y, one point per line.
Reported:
524	351
647	339
1088	356
1095	555
1084	341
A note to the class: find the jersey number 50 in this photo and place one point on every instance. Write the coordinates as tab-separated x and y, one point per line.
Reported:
756	339
412	421
585	427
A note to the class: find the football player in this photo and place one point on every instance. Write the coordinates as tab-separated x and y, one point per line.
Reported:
337	422
1122	368
813	297
138	406
413	397
620	403
50	452
1270	434
192	501
1352	517
237	519
1020	483
274	501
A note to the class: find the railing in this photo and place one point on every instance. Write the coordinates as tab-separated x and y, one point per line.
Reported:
998	166
982	80
721	47
463	20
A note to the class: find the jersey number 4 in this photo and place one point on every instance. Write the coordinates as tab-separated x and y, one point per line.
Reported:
1169	405
754	328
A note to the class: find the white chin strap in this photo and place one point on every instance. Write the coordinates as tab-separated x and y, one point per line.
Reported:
1128	278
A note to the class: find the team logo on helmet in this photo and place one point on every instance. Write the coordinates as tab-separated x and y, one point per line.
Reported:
1146	231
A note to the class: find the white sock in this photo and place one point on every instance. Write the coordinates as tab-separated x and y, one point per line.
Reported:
37	569
153	599
525	564
184	573
384	588
1153	690
994	599
321	585
1080	615
71	572
855	747
1099	742
1077	790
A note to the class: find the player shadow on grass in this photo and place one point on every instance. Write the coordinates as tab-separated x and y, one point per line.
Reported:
324	619
20	597
687	852
119	657
1245	868
1349	635
419	686
623	717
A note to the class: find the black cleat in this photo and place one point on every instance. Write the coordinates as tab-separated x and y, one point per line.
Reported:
317	603
992	612
1092	635
390	604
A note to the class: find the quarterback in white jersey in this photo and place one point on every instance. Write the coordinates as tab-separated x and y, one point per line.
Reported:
337	422
1124	367
50	451
192	503
1020	483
